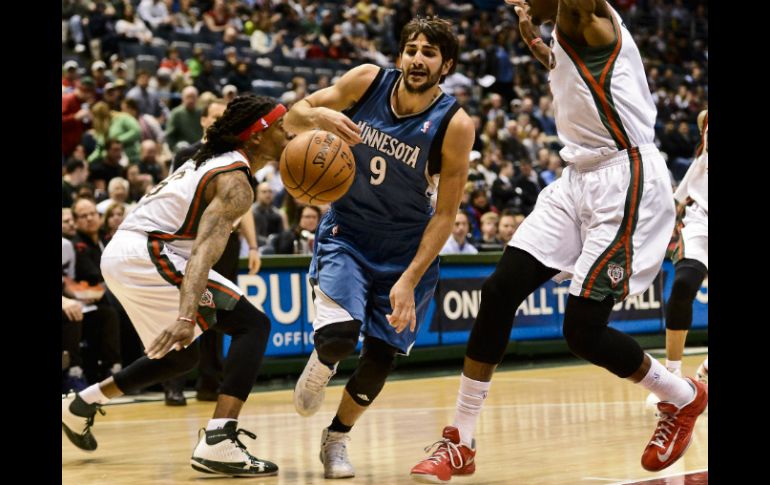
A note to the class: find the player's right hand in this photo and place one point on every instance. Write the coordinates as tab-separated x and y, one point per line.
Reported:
176	336
339	124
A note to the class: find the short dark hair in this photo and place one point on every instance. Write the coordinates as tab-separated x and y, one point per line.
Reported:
108	144
73	165
438	31
311	207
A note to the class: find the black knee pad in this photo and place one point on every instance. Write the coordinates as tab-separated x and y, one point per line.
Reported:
144	372
589	337
376	362
517	274
688	276
336	341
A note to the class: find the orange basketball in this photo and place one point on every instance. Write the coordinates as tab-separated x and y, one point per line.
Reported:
317	167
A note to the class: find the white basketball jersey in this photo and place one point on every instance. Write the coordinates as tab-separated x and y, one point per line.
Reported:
172	211
602	103
695	183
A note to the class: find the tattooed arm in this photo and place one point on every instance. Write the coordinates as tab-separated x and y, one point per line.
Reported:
231	197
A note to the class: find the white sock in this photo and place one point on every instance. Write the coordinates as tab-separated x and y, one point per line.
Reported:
218	423
92	394
75	371
668	387
470	397
675	366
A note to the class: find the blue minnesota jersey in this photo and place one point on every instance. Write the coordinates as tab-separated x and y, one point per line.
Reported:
398	163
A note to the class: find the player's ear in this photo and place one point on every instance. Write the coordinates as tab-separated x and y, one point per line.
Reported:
446	67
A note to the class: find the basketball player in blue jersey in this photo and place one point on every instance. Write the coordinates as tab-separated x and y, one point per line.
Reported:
375	266
605	224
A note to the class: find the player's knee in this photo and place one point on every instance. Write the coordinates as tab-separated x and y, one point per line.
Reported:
377	360
244	320
687	280
585	321
336	341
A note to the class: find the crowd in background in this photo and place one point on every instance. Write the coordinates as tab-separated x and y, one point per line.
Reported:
139	75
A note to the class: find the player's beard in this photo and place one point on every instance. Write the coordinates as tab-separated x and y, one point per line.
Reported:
431	80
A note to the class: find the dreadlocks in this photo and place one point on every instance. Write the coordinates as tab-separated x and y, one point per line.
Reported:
222	135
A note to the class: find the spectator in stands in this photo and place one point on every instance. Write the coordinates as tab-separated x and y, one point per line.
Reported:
146	97
240	78
76	114
115	125
103	329
148	161
489	240
458	242
503	191
216	19
184	122
509	222
268	220
131	27
111	220
528	185
118	193
174	63
112	95
207	80
299	239
67	223
108	167
138	183
555	167
149	126
544	115
155	14
69	76
76	174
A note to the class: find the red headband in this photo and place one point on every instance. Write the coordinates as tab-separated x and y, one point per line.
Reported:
263	123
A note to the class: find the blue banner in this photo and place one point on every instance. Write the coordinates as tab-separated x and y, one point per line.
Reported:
285	295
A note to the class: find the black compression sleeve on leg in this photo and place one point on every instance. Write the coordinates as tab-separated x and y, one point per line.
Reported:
250	331
688	276
376	362
589	336
516	276
145	372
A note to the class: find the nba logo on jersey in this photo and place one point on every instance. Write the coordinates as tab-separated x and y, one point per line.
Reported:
425	126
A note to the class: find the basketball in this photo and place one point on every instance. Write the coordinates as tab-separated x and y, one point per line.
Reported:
317	167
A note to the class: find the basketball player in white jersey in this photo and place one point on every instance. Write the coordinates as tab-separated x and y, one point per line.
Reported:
690	256
158	265
605	224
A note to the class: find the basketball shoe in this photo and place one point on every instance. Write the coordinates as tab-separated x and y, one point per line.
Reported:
450	459
77	417
311	386
674	431
334	455
219	451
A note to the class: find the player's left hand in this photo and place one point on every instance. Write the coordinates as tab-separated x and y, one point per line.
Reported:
176	336
255	261
402	302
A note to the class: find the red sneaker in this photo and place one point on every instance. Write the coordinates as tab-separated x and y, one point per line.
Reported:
674	431
450	458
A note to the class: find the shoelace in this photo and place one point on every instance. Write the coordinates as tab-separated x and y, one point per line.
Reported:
240	444
665	427
445	447
316	382
338	452
90	419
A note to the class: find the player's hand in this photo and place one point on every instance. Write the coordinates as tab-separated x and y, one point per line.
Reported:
339	124
255	261
72	308
522	10
176	336
402	302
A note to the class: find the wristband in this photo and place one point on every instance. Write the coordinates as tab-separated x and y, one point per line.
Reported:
535	41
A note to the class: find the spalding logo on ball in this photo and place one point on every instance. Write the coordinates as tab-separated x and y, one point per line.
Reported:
317	167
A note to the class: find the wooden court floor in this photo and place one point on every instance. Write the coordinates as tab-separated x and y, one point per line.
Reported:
575	424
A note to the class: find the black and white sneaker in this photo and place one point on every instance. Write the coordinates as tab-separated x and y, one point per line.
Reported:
77	417
219	451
